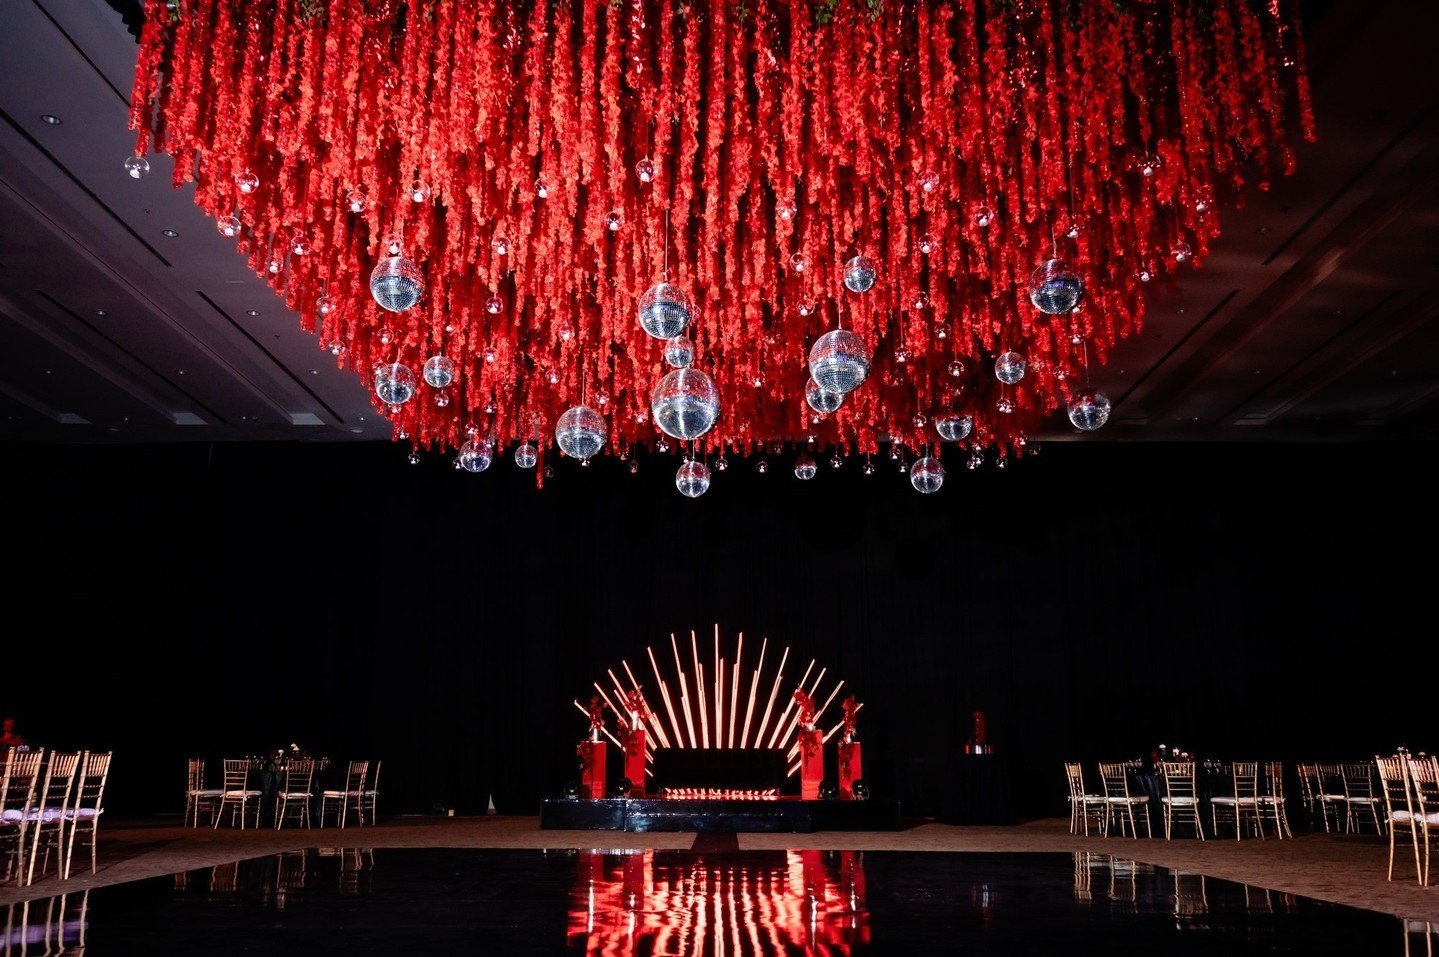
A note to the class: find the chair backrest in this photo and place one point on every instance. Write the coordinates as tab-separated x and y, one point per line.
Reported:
22	772
1330	778
355	775
1394	782
1178	778
1115	780
236	773
195	774
300	776
375	778
1424	776
1358	780
59	779
1075	774
1308	782
94	772
1274	778
1246	779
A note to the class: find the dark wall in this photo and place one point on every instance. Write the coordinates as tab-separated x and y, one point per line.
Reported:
1240	601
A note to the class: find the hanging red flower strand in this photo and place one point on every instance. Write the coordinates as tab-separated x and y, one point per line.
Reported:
544	162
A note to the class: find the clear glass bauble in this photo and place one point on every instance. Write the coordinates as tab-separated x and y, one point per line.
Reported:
324	305
356	201
581	432
1009	368
1054	288
685	404
526	455
839	361
860	274
926	475
804	468
692	479
645	170
439	371
247	182
1089	409
475	456
394	383
679	352
229	226
396	283
665	310
821	399
137	167
954	427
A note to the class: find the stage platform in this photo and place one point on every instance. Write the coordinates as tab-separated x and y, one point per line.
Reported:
785	816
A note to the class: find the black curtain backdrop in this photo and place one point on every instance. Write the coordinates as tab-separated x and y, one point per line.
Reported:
1246	602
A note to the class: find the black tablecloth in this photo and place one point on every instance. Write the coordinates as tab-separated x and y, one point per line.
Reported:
976	790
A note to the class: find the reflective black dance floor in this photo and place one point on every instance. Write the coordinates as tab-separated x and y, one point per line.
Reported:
684	902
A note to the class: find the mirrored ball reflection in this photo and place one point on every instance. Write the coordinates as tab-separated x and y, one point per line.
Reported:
821	399
396	284
926	475
1009	368
804	468
394	383
475	455
954	428
526	456
860	274
439	371
679	352
1054	288
685	404
839	361
692	479
665	311
581	432
1089	410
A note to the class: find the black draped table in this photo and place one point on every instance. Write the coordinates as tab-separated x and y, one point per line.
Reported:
976	790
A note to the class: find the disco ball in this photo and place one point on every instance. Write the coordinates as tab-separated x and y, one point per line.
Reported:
926	475
679	352
821	399
1009	368
475	456
665	310
526	456
581	432
439	371
394	383
396	284
685	404
1089	409
954	427
1054	288
838	361
804	468
859	274
692	479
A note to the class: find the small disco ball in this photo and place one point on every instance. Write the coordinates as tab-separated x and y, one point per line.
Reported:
1009	368
692	479
1054	288
821	399
804	468
926	475
581	432
665	310
394	383
860	790
954	427
137	167
685	404
526	455
859	274
439	371
1089	409
679	352
229	226
838	361
396	283
475	456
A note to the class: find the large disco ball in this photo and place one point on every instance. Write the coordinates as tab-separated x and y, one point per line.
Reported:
839	361
1009	368
394	383
396	283
1054	288
954	427
859	274
821	399
581	432
665	310
804	468
439	371
685	404
926	475
1089	409
692	479
526	456
679	352
476	455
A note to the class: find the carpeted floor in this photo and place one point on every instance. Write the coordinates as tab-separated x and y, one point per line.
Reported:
1344	869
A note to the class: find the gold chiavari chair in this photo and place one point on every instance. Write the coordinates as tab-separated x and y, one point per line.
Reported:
1427	930
1083	875
1181	797
84	814
237	793
1359	798
1271	799
372	793
17	803
297	792
1119	804
1242	802
352	794
47	817
1424	776
199	798
1398	808
1333	801
1082	804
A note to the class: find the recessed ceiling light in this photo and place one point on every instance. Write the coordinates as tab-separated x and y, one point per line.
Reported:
169	234
252	312
101	312
47	372
1262	230
357	430
179	371
314	372
50	119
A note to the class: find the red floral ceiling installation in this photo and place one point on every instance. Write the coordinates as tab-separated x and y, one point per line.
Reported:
527	156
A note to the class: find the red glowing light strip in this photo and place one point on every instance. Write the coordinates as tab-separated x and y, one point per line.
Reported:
586	712
753	687
684	693
734	689
773	693
665	694
700	690
776	740
653	722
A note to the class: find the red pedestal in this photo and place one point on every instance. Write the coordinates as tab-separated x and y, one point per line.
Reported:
811	765
635	761
850	769
592	768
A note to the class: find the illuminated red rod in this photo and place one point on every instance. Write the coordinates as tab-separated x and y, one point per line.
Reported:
665	694
719	701
684	693
830	733
734	688
700	690
620	697
753	688
776	739
656	729
586	712
773	692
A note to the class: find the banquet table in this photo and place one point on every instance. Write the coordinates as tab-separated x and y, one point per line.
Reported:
976	790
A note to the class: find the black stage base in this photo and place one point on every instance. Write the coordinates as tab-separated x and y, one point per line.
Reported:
785	816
